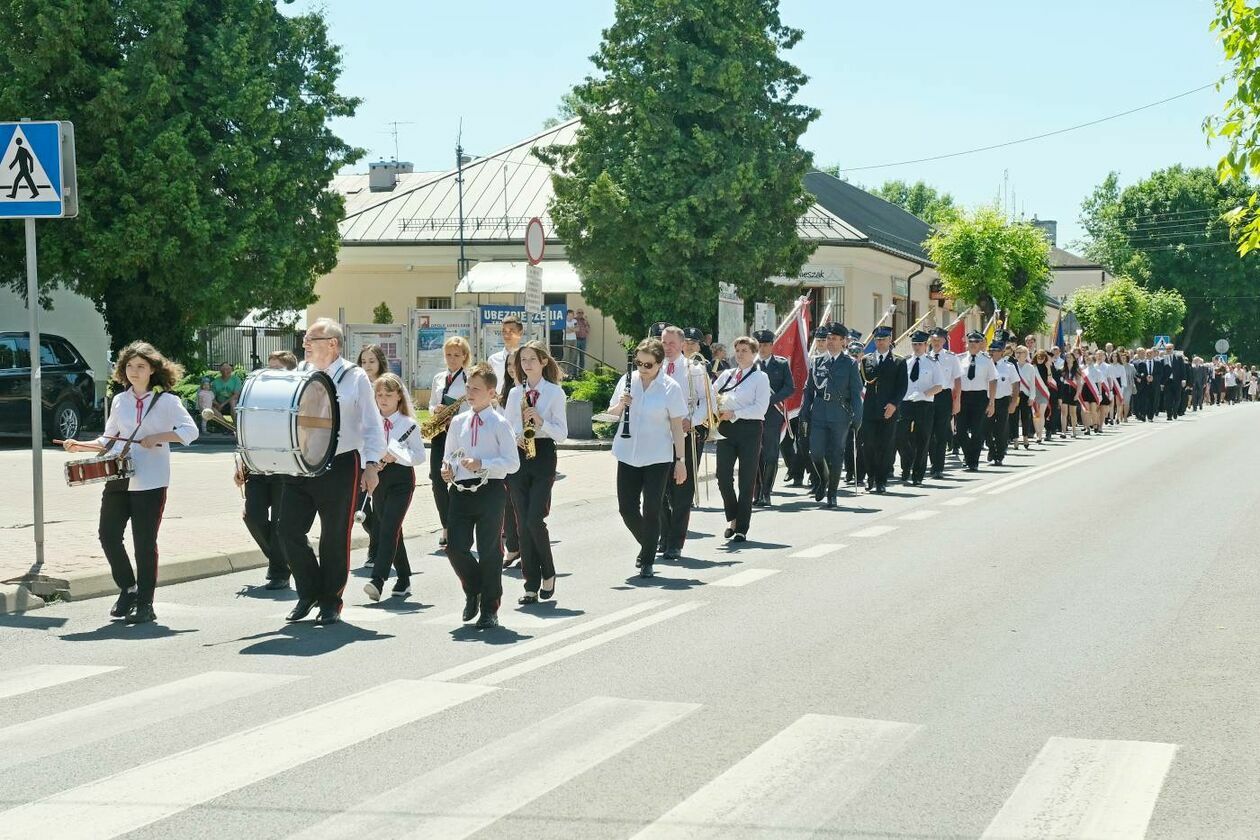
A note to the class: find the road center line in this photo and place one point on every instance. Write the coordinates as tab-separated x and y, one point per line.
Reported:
917	515
820	550
745	577
874	531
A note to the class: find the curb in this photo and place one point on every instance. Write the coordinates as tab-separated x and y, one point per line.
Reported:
16	598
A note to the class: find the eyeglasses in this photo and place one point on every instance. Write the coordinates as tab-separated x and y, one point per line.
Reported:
645	365
306	339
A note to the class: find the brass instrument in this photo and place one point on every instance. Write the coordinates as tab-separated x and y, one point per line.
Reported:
711	416
528	432
440	419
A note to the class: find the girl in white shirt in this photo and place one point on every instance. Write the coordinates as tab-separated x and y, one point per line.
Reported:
404	451
537	402
648	446
448	387
142	422
743	395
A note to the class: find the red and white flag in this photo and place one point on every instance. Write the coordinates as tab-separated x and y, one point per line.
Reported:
792	343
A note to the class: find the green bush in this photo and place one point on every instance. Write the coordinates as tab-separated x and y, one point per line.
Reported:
594	386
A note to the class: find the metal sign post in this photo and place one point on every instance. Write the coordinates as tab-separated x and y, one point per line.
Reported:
535	245
38	160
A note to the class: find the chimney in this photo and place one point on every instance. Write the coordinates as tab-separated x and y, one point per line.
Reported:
383	174
1049	228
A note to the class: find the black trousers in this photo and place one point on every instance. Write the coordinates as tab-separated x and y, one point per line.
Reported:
675	509
826	447
973	425
1000	429
441	493
1024	416
1197	397
478	516
262	512
768	466
741	442
390	503
1172	396
143	509
788	450
942	434
854	463
640	495
914	431
802	464
877	437
511	527
530	490
333	497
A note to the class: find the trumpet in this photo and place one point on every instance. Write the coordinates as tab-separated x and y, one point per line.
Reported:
440	420
528	433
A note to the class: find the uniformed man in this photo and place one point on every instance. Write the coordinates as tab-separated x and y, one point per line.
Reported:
1004	404
978	383
802	463
693	379
693	346
854	463
885	379
782	386
945	404
924	381
832	402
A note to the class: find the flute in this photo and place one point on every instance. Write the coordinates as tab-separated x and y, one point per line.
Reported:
625	428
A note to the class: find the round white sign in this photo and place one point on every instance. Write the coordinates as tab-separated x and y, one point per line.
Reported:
535	241
1222	346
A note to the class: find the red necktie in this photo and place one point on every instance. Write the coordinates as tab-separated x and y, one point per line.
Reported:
388	427
450	377
476	424
139	411
670	371
739	377
533	397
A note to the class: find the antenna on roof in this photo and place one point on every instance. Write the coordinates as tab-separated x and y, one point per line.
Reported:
393	129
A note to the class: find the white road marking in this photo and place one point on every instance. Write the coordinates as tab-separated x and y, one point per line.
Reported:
138	710
874	531
35	677
1085	789
526	648
1024	475
1054	468
958	501
141	796
745	577
820	550
790	785
918	515
551	657
476	790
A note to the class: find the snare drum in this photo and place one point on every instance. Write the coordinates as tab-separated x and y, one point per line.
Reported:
100	468
287	422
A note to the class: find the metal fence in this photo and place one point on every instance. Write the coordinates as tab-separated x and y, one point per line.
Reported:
247	347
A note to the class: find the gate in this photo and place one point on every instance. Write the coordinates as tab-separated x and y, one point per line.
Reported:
247	347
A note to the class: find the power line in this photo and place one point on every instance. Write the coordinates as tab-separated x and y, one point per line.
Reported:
1029	139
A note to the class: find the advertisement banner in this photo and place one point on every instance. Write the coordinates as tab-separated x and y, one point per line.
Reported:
392	339
538	326
430	329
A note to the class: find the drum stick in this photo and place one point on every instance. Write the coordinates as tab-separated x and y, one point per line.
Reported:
359	515
90	443
210	415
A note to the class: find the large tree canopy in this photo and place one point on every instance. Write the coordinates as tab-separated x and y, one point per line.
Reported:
1238	24
926	202
204	156
984	259
687	170
1168	231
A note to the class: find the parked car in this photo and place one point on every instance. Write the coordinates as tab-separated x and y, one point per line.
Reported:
68	386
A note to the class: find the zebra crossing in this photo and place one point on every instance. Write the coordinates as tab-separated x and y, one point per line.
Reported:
796	780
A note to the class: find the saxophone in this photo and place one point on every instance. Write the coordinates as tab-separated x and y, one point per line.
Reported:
528	433
440	419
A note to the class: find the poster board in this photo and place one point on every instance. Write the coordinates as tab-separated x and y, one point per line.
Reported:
763	317
430	328
730	315
539	326
392	338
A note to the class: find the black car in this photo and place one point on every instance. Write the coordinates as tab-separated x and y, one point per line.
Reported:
69	387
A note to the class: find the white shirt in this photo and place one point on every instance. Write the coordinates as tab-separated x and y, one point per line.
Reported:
651	438
1231	379
409	452
498	362
1119	374
1028	377
1098	376
495	444
570	329
153	466
1058	363
985	372
360	420
746	392
550	404
457	389
697	407
929	378
947	368
1006	378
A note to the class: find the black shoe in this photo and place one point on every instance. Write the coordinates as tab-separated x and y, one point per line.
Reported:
938	474
527	598
916	482
819	492
905	478
401	588
328	615
141	612
548	594
645	571
488	621
372	589
880	488
728	533
760	502
671	554
123	605
831	501
472	605
300	610
739	538
796	483
511	558
638	562
277	583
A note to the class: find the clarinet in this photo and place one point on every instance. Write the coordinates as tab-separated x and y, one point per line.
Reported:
625	427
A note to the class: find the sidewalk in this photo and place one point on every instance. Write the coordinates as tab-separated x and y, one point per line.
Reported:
202	533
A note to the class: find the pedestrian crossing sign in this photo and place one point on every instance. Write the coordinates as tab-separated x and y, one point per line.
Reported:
37	173
1162	340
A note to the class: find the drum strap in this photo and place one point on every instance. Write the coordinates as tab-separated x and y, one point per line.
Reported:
127	448
344	370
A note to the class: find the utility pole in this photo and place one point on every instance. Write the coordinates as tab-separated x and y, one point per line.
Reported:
393	130
459	180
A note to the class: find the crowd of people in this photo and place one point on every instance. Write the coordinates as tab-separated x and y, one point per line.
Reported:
866	418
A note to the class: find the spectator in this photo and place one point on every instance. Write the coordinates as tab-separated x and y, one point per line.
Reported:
581	332
227	390
205	399
570	331
720	362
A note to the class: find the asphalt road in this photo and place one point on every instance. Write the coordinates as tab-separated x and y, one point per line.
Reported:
1064	647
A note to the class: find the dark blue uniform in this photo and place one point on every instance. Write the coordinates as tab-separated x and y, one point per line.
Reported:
832	403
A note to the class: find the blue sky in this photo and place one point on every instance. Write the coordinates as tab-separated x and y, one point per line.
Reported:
894	81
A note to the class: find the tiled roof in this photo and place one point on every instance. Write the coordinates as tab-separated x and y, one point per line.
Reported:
879	222
1060	258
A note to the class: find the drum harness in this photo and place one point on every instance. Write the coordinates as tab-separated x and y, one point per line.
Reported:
126	450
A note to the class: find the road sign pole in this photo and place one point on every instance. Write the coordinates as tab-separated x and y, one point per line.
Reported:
37	390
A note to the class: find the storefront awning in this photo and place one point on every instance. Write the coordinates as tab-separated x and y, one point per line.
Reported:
508	278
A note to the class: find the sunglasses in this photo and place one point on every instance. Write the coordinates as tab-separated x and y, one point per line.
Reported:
645	365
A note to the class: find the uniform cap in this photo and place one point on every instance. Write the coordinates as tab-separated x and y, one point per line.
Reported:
822	332
918	337
764	336
939	332
975	335
693	334
856	335
883	332
657	329
997	344
855	347
836	328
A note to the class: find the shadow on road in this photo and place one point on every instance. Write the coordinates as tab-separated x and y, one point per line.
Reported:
304	639
122	630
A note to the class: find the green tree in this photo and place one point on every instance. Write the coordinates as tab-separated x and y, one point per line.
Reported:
204	156
985	260
1165	312
382	314
1169	231
687	170
928	203
1117	312
1237	23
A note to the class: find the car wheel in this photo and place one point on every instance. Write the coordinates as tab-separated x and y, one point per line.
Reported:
67	420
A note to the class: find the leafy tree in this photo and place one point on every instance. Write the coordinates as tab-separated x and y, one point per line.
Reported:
1238	24
687	169
565	111
929	204
1165	312
1117	312
1168	231
204	156
985	260
382	314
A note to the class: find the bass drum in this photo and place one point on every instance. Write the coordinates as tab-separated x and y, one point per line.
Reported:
287	422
